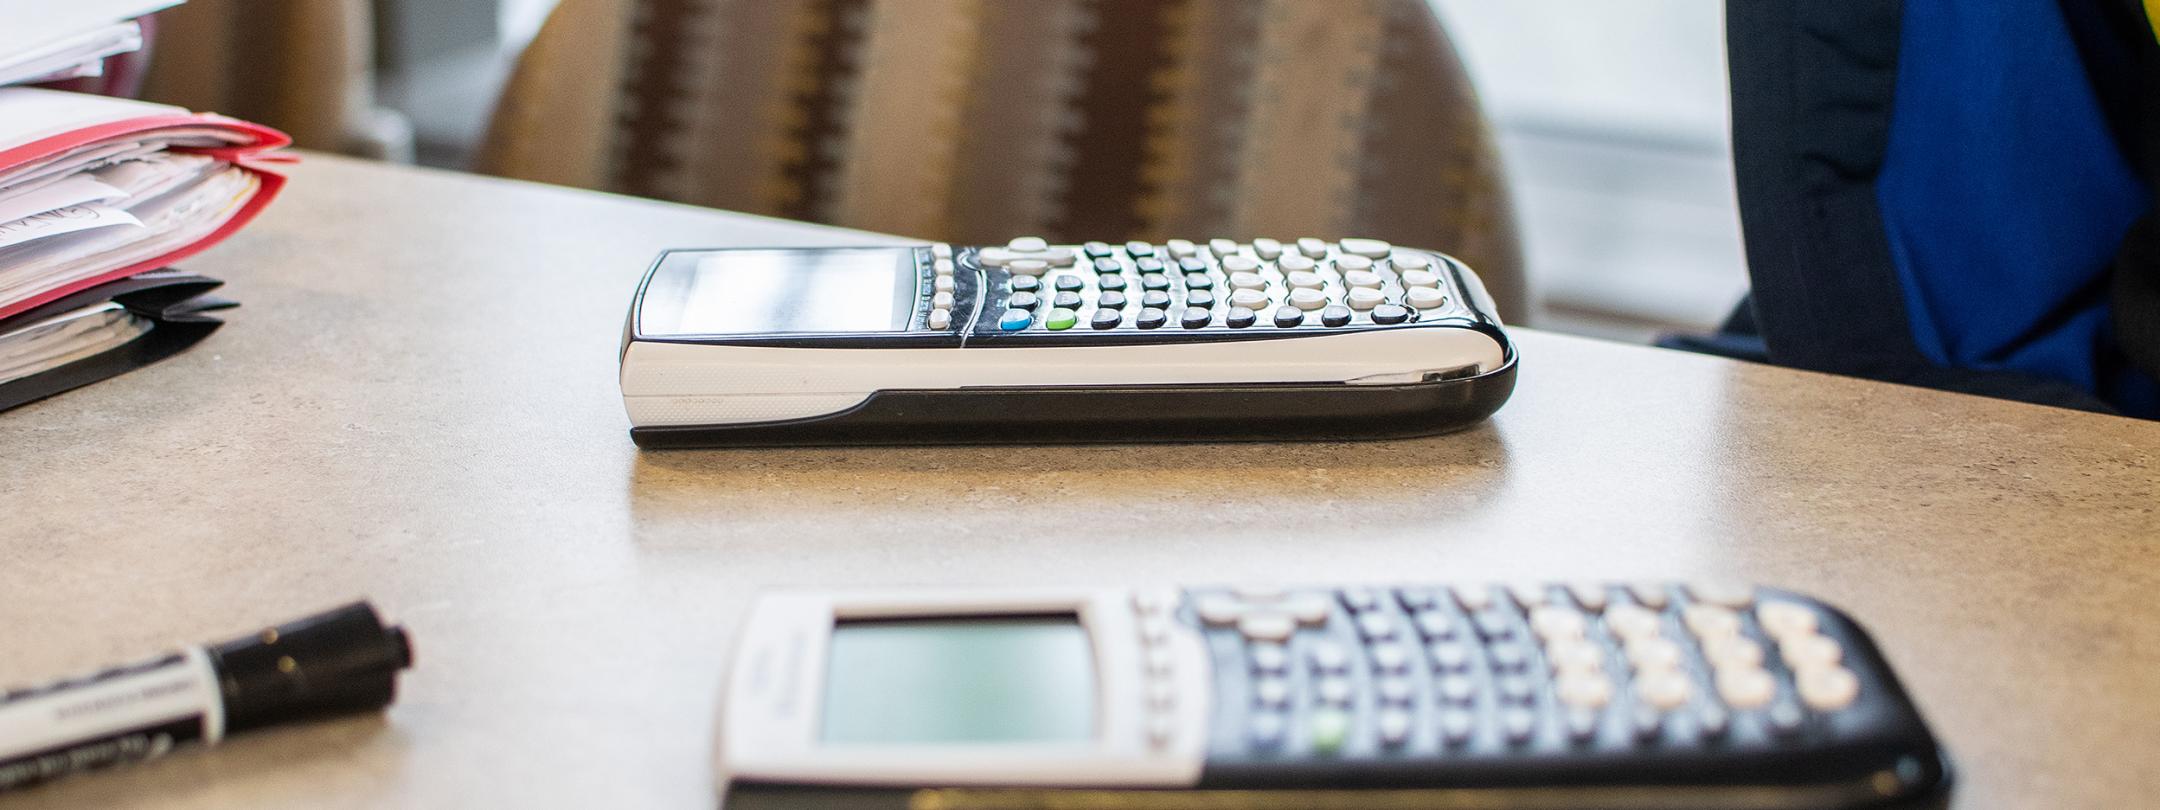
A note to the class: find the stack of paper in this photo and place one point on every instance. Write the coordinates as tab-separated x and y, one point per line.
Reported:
50	40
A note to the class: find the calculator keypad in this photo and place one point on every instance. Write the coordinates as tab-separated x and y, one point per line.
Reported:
1217	285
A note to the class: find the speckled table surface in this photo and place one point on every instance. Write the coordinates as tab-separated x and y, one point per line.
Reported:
417	404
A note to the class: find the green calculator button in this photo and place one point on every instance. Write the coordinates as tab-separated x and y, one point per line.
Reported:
1329	728
1061	319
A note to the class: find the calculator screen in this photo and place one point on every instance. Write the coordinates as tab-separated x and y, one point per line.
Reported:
972	680
740	292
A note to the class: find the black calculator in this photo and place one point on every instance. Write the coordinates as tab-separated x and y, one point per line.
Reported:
1032	342
1575	696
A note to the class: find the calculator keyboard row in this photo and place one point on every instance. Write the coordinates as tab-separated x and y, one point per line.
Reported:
1441	670
1221	285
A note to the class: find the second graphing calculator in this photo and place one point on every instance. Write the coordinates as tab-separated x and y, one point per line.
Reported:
1033	342
1549	696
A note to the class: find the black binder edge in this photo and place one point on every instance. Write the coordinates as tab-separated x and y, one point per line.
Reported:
173	300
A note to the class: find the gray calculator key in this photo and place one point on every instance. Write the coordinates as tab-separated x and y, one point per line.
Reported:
1449	656
1192	265
1582	724
1328	656
1155	298
1435	624
1151	318
1022	300
1240	317
1376	626
1149	265
1458	689
1516	688
1335	691
1068	284
1195	317
1361	600
1273	693
1155	281
1138	249
1107	318
1066	300
1110	300
1389	313
1456	726
1335	315
1391	657
1270	658
1394	727
1267	730
1198	281
1517	725
1108	266
1200	298
1110	283
1026	283
1096	250
1396	691
1287	316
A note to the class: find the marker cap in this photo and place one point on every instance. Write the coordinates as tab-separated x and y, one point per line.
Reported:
337	662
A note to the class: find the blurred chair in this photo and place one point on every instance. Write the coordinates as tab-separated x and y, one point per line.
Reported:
980	120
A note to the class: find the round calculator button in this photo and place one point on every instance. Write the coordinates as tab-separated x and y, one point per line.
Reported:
1515	688
1652	653
1785	719
1396	691
1267	248
1199	281
1517	725
1068	284
1265	625
1195	317
1218	610
943	267
1269	658
1575	655
1426	298
1028	244
1589	691
1784	620
1310	246
1028	267
1148	265
1062	317
1294	263
1066	300
1015	320
1267	730
1652	595
1582	724
942	300
941	250
1155	298
1435	624
1240	264
1366	279
1026	283
1108	266
1199	298
1509	656
1222	247
1646	722
1096	250
1666	689
1732	595
1394	727
1287	316
1353	264
1155	281
1810	652
1712	722
1746	688
1308	299
940	319
942	284
1249	299
1248	281
1110	283
1554	623
1391	658
1309	608
1329	656
1181	247
1710	621
1362	298
1632	622
1389	313
1412	261
1368	248
1419	278
1306	278
1271	693
1361	600
1240	317
1828	689
1334	691
1138	249
1456	726
1106	318
1329	729
1151	318
1110	300
1022	300
1726	652
1458	689
1449	656
1192	265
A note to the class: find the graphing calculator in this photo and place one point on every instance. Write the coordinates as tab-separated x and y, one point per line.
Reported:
1543	696
1033	342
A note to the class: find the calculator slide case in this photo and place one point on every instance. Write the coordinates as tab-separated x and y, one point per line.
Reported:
1035	343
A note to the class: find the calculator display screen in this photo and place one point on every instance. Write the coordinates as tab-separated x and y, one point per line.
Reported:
743	292
973	680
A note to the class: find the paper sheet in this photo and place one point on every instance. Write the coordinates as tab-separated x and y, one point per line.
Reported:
75	190
71	219
33	23
67	338
71	57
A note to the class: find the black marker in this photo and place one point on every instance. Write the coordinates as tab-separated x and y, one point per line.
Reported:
336	662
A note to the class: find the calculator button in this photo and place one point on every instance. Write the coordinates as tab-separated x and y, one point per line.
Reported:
1472	598
1107	318
1294	263
1308	608
1308	299
1412	261
1724	594
1810	652
1590	595
1195	317
1516	689
1306	278
1067	284
1312	247
1827	689
1028	267
1265	626
1222	247
1375	626
1710	621
1328	656
1449	656
1155	298
1363	279
1240	264
1199	298
1362	298
1240	317
1192	264
1158	731
1271	693
1493	624
1249	299
1391	658
1287	316
1026	283
1110	300
994	257
1419	278
1062	317
1651	595
1458	689
1653	653
940	318
1151	318
1517	725
1329	728
1665	689
1785	719
1631	622
1725	652
1553	623
1368	248
1022	300
1015	320
1139	249
1108	267
1110	283
1647	722
1361	600
1394	727
1266	730
941	250
1456	726
1065	300
1248	281
1096	250
1267	248
1334	691
942	300
1583	690
1269	658
1746	688
1028	244
1575	655
1181	247
1220	611
942	284
1155	281
1396	691
1712	722
1434	624
1353	264
1582	724
1426	298
1148	265
1389	313
1199	281
1784	620
943	267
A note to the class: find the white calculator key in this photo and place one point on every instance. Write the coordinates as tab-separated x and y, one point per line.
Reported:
1728	652
944	267
1222	247
1267	248
1783	619
1665	689
1412	261
941	250
1575	655
1368	248
1219	610
1349	263
1363	278
1182	248
943	284
1420	278
1827	689
1314	248
1583	691
942	300
1308	608
1249	299
1307	278
1028	267
1710	621
1556	623
1652	595
1240	264
1307	299
1653	653
1291	263
1426	298
1745	689
1267	626
1810	652
1029	244
940	319
1362	298
994	257
1248	281
1632	622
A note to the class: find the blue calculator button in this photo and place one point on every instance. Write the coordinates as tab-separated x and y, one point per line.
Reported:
1015	320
